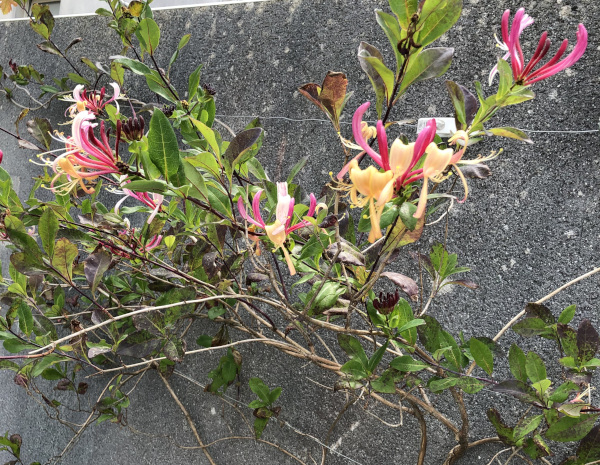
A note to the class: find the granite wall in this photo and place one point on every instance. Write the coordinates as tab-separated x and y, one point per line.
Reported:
525	231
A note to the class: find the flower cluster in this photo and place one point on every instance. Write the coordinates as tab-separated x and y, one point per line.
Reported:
399	167
526	74
92	101
85	157
279	230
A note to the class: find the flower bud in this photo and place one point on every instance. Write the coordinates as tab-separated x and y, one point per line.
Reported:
385	303
21	380
1	156
133	128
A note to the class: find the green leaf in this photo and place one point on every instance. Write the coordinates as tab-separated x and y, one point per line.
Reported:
567	314
562	392
367	56
376	357
259	426
406	212
458	101
516	360
65	253
354	368
437	16
219	201
194	82
406	363
430	334
47	229
25	318
505	433
15	346
506	78
134	65
162	145
526	426
535	368
470	385
404	9
46	362
296	169
536	447
260	389
568	340
148	33
438	385
530	327
274	395
353	348
19	237
143	185
387	381
49	47
209	135
327	296
511	133
482	354
428	64
43	21
8	365
392	30
518	95
568	429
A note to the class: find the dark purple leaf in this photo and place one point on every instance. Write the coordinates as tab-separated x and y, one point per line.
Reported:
568	429
587	341
470	104
541	311
478	171
408	285
95	266
240	150
517	389
589	447
568	340
40	129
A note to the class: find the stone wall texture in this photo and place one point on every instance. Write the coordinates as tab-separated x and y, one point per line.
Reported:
531	227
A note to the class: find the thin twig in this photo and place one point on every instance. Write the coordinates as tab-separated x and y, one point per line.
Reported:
187	416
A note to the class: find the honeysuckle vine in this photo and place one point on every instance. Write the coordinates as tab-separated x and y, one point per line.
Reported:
96	288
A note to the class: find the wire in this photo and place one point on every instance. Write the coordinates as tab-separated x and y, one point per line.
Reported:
296	120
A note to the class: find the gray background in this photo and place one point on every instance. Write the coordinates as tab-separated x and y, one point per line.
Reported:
525	231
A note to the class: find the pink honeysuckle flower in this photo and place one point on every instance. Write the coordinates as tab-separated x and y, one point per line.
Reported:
400	158
524	74
154	242
84	156
279	230
152	200
526	21
92	101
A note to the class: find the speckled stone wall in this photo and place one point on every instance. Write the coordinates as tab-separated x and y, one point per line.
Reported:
526	230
